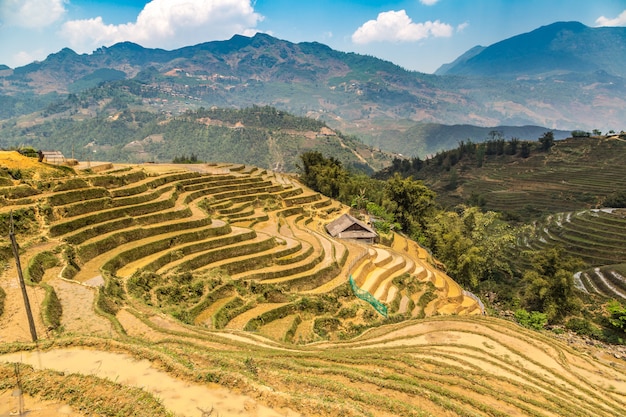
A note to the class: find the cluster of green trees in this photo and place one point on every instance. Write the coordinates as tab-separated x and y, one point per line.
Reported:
471	244
267	117
472	152
479	249
184	159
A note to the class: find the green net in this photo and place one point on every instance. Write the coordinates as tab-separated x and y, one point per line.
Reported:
365	296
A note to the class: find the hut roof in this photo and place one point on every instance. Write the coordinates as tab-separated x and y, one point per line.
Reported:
348	227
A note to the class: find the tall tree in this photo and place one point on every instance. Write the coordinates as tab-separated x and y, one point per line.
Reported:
412	203
547	141
550	284
471	244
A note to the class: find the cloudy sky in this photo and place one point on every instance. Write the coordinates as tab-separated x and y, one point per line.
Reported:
416	34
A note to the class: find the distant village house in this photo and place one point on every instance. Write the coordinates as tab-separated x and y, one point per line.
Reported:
348	227
51	157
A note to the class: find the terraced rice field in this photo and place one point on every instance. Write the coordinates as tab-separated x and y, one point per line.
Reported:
597	236
221	284
445	366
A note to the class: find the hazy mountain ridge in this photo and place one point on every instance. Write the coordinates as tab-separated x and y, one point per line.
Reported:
354	93
559	48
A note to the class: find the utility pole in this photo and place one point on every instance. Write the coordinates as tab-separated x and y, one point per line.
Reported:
18	392
29	313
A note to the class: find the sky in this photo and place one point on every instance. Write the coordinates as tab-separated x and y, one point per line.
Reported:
418	35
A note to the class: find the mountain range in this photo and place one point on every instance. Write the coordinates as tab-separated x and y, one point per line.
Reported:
562	76
560	49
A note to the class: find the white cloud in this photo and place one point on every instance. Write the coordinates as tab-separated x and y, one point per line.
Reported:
428	2
31	14
618	21
168	24
462	26
396	26
23	58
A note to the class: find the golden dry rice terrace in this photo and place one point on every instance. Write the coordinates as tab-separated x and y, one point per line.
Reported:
220	283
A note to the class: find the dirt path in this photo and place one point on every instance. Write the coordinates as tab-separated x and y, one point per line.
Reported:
14	324
78	312
182	398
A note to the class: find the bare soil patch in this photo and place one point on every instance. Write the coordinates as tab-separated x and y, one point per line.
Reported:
182	398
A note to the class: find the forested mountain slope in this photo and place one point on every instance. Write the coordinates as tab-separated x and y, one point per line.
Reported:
351	91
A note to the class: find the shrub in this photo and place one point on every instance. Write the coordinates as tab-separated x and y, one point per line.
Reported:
428	296
52	309
325	325
38	264
3	297
582	327
616	199
534	320
140	285
580	134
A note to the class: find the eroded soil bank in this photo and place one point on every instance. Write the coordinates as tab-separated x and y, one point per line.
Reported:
182	398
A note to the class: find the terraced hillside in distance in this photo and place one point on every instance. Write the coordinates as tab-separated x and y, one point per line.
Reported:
565	195
576	174
598	237
214	289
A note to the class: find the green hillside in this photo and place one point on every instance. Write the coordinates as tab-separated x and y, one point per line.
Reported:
110	126
567	195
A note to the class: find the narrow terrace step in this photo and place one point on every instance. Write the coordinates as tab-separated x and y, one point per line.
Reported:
383	257
205	318
90	232
287	254
439	281
468	305
274	272
302	199
148	183
223	183
116	179
364	268
391	294
382	293
165	201
233	258
241	321
455	292
172	255
132	228
378	275
123	255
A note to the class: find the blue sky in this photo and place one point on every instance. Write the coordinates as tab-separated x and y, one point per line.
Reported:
419	35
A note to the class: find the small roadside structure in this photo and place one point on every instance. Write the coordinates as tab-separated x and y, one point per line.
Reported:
348	227
51	157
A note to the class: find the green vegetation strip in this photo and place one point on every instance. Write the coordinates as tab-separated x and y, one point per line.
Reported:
366	296
89	394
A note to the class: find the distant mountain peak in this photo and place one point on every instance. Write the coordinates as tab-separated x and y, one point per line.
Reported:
472	52
557	48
